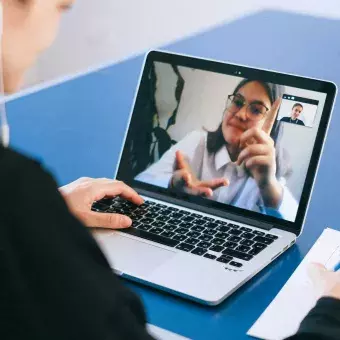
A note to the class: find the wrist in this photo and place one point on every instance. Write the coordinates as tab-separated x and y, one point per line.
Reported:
334	292
271	191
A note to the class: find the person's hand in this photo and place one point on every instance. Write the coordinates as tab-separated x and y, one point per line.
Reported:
81	194
185	180
259	156
325	282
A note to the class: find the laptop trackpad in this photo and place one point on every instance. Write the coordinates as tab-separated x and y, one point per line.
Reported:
133	257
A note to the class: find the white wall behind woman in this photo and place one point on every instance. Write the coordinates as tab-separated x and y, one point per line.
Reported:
101	31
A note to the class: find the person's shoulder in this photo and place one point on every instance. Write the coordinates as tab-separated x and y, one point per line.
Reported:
284	119
18	170
13	162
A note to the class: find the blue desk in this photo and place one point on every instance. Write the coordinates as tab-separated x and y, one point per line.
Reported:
77	128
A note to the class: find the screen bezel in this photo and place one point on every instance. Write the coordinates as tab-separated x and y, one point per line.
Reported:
241	71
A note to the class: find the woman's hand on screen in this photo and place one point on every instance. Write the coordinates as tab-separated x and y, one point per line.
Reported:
259	156
81	194
184	179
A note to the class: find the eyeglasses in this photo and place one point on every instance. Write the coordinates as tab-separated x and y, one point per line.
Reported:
255	111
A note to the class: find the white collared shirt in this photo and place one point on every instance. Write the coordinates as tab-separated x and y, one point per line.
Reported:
242	191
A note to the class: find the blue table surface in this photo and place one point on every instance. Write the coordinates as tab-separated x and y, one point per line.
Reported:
76	129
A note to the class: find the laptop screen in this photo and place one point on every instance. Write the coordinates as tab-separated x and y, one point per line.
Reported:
243	142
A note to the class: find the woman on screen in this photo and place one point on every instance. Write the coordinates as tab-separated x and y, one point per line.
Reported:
241	163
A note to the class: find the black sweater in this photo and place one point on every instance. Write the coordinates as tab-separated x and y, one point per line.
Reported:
55	283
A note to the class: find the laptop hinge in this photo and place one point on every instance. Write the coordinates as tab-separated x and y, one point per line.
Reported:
208	210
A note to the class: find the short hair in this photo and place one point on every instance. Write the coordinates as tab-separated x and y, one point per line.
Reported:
297	104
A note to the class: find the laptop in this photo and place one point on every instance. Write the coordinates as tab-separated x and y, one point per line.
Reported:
225	157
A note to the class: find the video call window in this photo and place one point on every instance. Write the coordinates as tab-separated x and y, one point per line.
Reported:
187	130
297	110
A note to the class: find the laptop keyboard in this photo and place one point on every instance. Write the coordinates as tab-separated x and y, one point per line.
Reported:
209	237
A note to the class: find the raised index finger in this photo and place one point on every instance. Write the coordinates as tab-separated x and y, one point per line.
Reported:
271	117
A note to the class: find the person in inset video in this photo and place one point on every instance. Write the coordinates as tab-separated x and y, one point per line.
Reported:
294	116
240	163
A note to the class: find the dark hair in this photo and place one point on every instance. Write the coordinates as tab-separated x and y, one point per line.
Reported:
215	139
297	104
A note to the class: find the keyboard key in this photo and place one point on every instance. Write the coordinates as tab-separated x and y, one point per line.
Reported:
209	256
259	233
166	212
172	209
230	245
168	234
217	241
243	249
248	230
199	251
223	222
144	227
208	219
196	215
194	234
205	237
151	215
187	219
135	224
247	243
170	227
234	239
273	237
222	235
254	251
100	206
248	236
218	249
185	247
204	244
161	218
106	201
263	240
235	264
223	228
259	246
233	225
235	232
176	215
146	220
199	221
210	232
223	259
197	228
186	225
211	225
184	212
156	230
192	241
151	237
174	221
237	254
180	238
181	231
158	224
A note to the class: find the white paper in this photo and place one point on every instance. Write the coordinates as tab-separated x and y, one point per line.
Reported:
163	334
298	296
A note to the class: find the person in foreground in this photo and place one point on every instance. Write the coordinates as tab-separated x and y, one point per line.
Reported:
55	282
